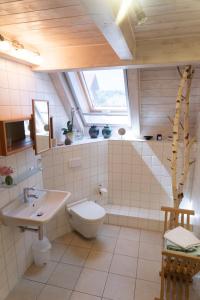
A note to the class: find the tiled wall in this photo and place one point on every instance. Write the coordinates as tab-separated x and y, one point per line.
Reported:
18	86
139	173
15	246
81	181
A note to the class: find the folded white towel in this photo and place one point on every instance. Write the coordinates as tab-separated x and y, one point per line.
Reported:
182	237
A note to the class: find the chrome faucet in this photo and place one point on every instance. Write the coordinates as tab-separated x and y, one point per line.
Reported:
27	195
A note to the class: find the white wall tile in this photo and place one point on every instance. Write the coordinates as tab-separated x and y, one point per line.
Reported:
18	86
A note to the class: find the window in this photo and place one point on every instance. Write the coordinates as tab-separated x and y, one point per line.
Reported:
101	96
105	90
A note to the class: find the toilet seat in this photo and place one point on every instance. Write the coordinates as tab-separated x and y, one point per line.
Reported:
88	211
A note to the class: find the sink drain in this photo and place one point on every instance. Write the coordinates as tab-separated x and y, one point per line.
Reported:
39	214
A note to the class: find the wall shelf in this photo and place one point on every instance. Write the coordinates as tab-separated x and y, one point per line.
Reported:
15	136
21	178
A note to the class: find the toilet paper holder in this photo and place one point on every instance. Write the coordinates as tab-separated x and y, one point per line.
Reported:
102	190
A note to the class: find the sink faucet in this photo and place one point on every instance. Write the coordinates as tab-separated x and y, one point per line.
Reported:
27	195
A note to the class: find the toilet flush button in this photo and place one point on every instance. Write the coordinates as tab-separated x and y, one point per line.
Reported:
75	162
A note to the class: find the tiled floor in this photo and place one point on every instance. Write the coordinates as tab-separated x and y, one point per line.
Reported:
121	264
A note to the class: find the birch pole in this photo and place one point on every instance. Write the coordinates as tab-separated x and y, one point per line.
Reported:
180	97
187	142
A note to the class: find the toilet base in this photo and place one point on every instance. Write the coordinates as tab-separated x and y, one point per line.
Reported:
88	230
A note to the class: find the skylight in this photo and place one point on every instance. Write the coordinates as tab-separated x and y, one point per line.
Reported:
101	96
105	89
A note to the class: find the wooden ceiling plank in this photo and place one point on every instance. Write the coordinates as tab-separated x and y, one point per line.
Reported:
61	35
48	23
72	11
62	44
26	6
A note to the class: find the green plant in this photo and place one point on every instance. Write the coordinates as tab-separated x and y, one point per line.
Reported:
69	123
69	128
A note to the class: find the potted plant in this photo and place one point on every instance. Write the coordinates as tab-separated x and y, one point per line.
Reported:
68	131
6	173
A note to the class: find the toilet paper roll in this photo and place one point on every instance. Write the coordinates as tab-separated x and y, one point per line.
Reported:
103	190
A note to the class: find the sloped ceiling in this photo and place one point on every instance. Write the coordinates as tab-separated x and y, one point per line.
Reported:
64	32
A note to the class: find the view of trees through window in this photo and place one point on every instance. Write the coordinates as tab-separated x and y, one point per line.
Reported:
106	89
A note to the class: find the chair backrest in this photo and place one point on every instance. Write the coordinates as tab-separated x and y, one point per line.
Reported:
177	217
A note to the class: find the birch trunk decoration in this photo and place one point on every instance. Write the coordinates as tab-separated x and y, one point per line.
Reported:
182	101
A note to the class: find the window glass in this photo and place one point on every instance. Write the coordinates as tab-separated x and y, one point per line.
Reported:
106	89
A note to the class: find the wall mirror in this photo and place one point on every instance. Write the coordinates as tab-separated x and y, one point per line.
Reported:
42	139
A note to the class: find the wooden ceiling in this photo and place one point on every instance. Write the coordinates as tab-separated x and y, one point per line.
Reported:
48	23
66	34
169	19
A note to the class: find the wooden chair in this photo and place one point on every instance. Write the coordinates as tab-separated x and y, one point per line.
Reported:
177	217
178	268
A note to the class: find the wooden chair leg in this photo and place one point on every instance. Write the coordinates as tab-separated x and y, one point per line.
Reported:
187	291
180	290
168	279
174	288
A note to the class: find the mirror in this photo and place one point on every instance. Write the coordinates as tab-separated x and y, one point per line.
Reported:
42	139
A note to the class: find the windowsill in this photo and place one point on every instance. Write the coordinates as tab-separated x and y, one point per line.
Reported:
88	140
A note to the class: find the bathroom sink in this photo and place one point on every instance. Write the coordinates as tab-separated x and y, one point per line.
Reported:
35	213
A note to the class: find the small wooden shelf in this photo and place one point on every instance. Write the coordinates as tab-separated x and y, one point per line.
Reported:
15	136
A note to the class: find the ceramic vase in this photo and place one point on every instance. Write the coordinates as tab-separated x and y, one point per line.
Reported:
106	132
68	141
93	132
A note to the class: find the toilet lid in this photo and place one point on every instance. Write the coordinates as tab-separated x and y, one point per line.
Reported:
88	210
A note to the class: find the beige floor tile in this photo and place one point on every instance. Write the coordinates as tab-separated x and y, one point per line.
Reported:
124	265
104	243
148	270
152	237
54	293
127	247
75	256
150	251
40	274
119	287
65	276
65	239
80	241
129	234
57	251
81	296
146	290
109	230
99	260
91	282
25	290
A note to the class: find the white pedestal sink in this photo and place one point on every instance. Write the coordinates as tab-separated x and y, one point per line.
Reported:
35	213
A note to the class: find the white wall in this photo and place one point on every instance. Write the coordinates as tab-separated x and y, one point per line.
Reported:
195	203
159	87
139	174
82	181
18	86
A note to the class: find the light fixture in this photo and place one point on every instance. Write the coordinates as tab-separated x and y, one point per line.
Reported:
4	44
131	7
14	49
123	10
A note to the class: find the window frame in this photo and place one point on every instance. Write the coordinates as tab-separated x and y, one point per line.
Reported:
104	110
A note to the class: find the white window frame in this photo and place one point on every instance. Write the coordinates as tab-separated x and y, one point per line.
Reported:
104	110
80	96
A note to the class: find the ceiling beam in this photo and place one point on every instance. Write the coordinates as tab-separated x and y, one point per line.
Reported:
120	36
150	53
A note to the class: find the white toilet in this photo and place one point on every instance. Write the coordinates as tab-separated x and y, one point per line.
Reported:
86	217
